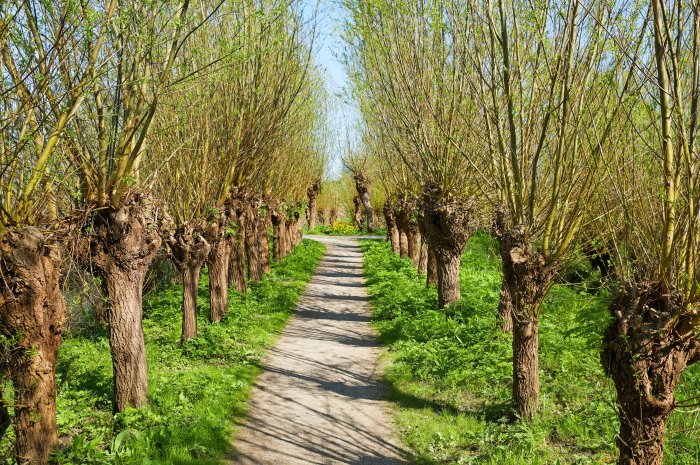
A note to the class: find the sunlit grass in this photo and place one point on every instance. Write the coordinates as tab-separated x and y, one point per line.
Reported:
451	379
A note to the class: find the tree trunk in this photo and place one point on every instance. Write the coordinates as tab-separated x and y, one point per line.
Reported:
188	250
218	278
505	309
649	344
448	276
297	230
32	309
312	193
252	249
362	184
277	233
423	260
413	239
357	215
448	223
403	244
391	229
190	287
123	245
286	238
263	239
126	340
526	378
432	271
527	277
236	268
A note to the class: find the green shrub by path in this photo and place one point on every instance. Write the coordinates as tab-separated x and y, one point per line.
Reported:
345	228
451	379
196	391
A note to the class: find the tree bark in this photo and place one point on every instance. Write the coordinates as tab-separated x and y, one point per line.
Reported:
312	193
357	215
448	222
448	262
298	233
124	242
189	250
649	344
217	263
237	264
527	277
505	309
413	239
286	238
391	229
526	378
423	258
363	184
277	219
263	238
252	249
32	310
124	288
432	271
403	244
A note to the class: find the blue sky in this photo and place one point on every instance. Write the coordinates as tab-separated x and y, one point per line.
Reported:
328	51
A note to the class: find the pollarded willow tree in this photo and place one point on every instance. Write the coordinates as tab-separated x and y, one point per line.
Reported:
652	213
40	95
414	92
257	93
550	86
108	146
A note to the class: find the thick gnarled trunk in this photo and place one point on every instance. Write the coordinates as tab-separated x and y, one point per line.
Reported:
32	310
263	239
645	351
526	379
217	263
448	223
311	213
505	309
363	184
236	260
448	261
403	244
189	250
423	260
391	230
431	274
123	245
413	239
357	215
126	339
527	278
252	248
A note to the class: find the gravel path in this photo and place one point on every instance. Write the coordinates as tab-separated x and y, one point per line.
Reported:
319	400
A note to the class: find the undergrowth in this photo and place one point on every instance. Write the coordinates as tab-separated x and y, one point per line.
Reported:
196	392
451	378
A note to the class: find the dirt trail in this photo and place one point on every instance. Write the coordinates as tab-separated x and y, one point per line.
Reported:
319	400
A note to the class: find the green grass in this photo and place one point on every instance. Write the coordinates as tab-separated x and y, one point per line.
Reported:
345	228
451	379
196	392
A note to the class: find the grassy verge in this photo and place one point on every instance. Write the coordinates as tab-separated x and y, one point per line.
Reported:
196	392
451	379
345	228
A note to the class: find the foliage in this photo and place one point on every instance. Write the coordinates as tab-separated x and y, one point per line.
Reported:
451	378
343	228
197	391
